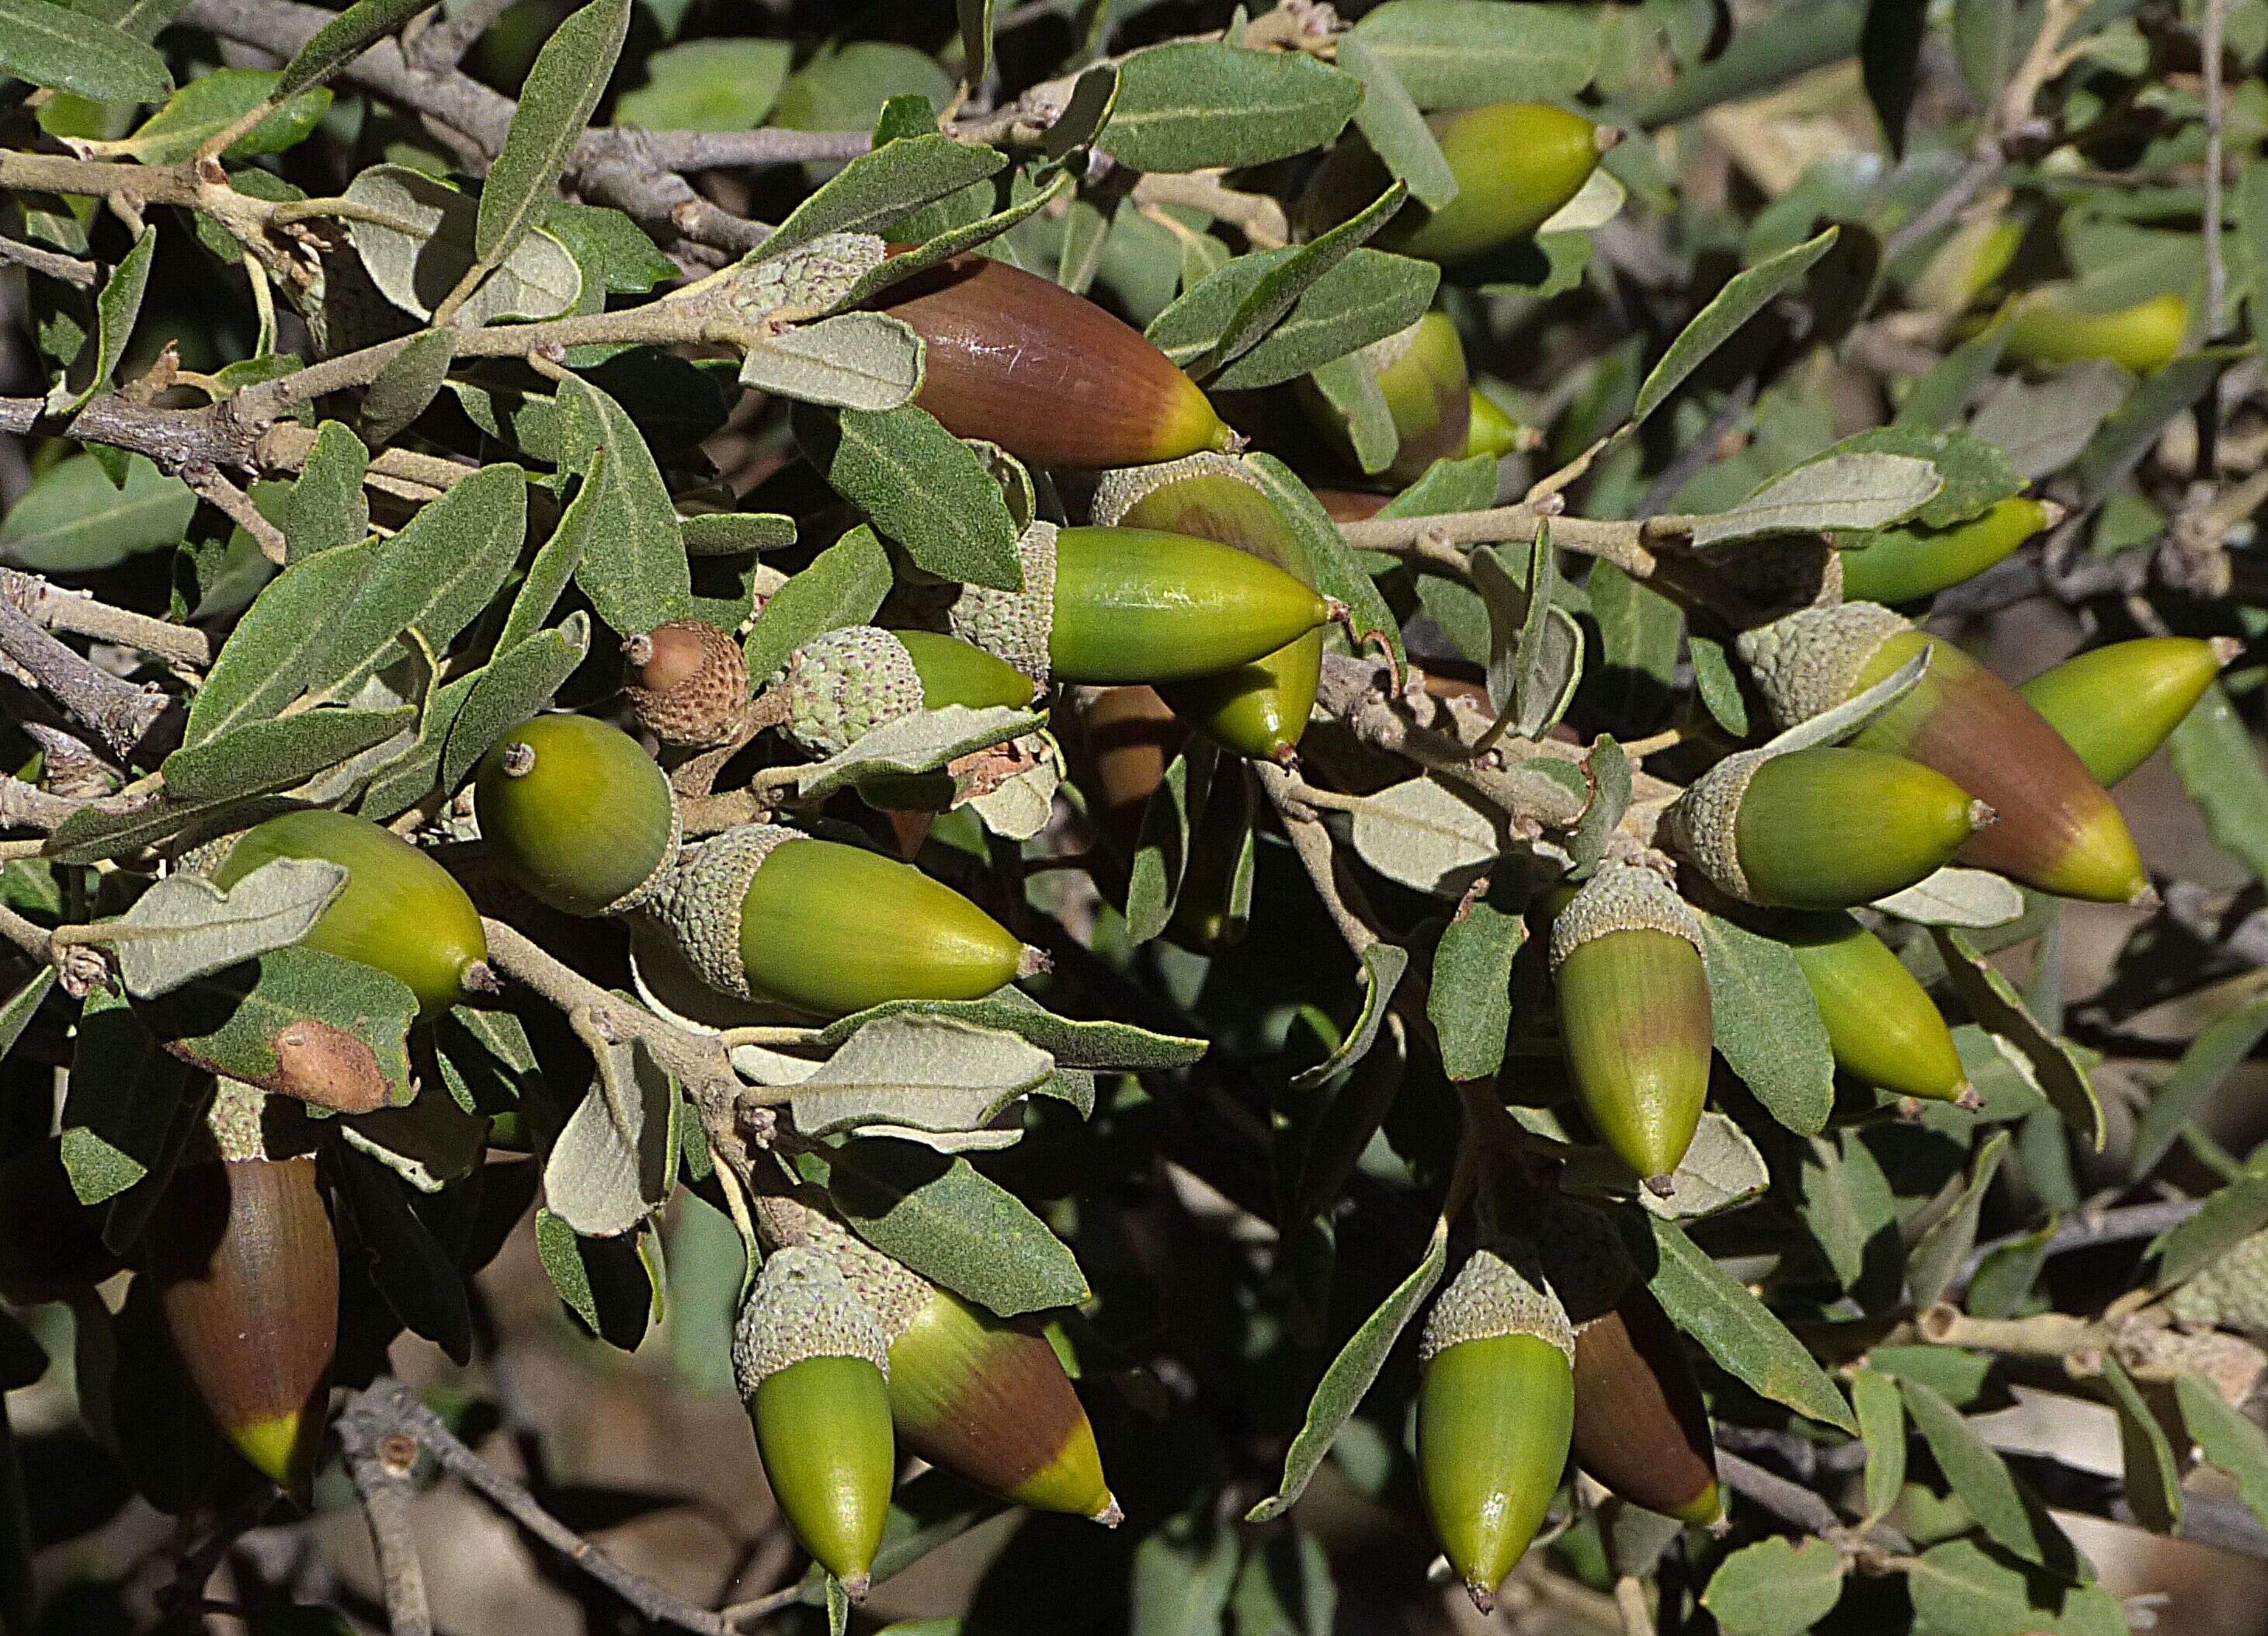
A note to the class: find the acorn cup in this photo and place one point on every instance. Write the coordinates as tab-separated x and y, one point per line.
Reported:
1493	432
1421	373
1496	1407
1821	828
1641	1428
2047	327
1905	564
2057	828
1258	708
687	682
2115	705
1119	605
580	817
767	912
839	687
1881	1025
1047	375
812	1367
1626	958
399	912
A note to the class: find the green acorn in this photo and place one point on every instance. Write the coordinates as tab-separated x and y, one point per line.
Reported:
2047	326
399	912
1049	376
812	1367
1516	163
1907	563
1641	1428
2057	828
579	816
764	912
1496	1407
1111	605
1821	828
837	688
1421	373
1493	432
2115	705
687	682
1968	264
1258	708
1881	1024
1627	960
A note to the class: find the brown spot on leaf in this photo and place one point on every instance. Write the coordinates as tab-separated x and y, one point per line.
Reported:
980	773
327	1065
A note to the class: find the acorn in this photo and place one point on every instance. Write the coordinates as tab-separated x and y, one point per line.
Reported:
839	687
812	1367
579	814
1516	163
1905	564
399	912
1496	1409
1821	827
767	912
1641	1428
2045	328
1209	917
247	1271
2115	705
983	1397
1627	960
1351	505
1111	605
1047	375
1970	263
1881	1025
687	682
1127	738
1421	373
1493	432
1258	708
2057	828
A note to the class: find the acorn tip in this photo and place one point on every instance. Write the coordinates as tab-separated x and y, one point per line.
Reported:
480	977
2225	650
2145	896
1660	1186
1032	962
2051	514
1967	1100
1606	136
1484	1596
1982	816
1112	1512
855	1586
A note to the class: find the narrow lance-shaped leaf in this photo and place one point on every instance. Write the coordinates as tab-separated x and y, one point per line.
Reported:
555	104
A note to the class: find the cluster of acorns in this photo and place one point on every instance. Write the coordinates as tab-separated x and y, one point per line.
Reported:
1190	602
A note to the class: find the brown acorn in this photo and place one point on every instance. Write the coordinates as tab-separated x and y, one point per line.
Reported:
1127	737
1641	1428
687	682
1047	375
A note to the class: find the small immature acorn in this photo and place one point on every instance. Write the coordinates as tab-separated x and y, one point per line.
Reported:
841	686
1492	431
247	1271
399	912
1641	1428
2048	327
812	1367
1906	563
1821	827
1115	605
1047	375
1421	373
1516	163
1633	987
1881	1025
1258	708
687	682
2115	705
2058	830
1496	1408
579	814
765	911
1968	264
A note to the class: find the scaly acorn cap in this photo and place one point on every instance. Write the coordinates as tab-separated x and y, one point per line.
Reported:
579	814
699	900
1881	1025
802	1307
839	687
1623	898
1821	828
687	682
1582	1258
2115	705
1641	1428
2231	1293
1499	1291
1014	625
1810	661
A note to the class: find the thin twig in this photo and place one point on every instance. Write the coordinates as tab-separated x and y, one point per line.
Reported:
1624	544
118	710
237	506
70	269
2216	275
380	1465
56	609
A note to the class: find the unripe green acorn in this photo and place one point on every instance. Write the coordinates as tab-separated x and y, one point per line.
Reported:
1111	605
1968	263
841	686
1493	432
812	1364
1258	708
2115	705
399	912
1821	827
1627	961
1421	373
1906	563
578	814
1516	163
687	682
1881	1025
764	911
1047	375
2057	828
1496	1407
1641	1428
2046	328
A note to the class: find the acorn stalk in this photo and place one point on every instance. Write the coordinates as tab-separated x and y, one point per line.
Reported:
687	682
1641	1428
2057	828
812	1368
1881	1025
1496	1407
2116	705
1627	960
1821	828
1906	563
399	912
580	817
2048	327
